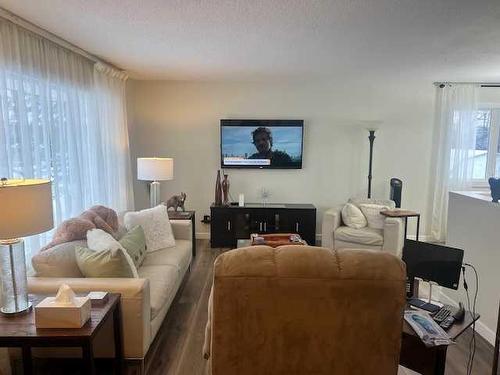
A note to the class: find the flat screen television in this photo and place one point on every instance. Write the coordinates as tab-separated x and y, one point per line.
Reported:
273	144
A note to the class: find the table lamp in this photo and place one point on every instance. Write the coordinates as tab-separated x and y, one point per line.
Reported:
155	170
25	210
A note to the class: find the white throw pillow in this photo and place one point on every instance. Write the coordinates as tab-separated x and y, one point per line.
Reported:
353	217
99	240
156	225
372	214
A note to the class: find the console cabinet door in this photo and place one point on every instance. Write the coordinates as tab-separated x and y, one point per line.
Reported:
262	221
302	222
222	229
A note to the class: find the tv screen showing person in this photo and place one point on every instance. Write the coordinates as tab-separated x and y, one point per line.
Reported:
261	146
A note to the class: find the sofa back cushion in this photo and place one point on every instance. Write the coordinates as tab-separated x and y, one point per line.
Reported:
58	261
383	202
372	212
293	295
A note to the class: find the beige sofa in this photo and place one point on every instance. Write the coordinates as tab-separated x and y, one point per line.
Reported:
335	235
145	301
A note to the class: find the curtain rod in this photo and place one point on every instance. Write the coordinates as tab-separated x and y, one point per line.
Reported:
482	84
9	16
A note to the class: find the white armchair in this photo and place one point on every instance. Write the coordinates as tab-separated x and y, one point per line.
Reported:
335	235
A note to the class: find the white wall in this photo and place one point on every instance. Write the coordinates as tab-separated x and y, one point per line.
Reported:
473	226
181	120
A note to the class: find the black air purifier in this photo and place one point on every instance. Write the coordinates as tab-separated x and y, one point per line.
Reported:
396	188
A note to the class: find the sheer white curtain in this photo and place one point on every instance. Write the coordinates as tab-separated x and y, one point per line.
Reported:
113	133
62	118
454	147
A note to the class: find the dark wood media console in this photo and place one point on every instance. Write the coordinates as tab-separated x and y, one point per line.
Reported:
230	223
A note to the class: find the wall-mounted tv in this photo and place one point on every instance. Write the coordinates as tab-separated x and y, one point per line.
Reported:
274	144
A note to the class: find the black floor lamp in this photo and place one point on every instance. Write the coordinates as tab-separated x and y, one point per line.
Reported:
371	138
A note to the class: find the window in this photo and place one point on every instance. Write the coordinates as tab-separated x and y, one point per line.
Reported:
486	156
62	117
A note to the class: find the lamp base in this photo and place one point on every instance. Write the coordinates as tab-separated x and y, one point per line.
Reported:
13	277
7	312
154	194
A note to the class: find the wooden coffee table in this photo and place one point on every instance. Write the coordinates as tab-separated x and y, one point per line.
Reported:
20	331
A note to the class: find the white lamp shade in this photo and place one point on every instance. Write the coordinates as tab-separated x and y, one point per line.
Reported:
155	169
25	208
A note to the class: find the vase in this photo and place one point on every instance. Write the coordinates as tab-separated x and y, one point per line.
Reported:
218	190
225	190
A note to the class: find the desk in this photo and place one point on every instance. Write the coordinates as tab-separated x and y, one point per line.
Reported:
429	361
20	331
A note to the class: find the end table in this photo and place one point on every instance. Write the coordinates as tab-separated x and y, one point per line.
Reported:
186	215
20	331
403	214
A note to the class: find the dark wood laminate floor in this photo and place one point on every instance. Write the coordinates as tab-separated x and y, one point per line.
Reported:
178	346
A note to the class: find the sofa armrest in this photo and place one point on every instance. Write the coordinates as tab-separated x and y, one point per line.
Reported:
331	220
393	235
135	305
182	229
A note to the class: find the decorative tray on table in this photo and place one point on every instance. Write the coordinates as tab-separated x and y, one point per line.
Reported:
277	239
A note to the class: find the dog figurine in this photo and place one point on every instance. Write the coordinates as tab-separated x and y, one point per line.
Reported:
495	189
177	201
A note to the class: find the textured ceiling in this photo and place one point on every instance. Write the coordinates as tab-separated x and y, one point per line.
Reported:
281	39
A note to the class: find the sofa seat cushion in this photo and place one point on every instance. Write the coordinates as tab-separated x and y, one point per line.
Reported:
365	236
162	282
178	256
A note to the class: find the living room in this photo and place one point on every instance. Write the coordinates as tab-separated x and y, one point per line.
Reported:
91	92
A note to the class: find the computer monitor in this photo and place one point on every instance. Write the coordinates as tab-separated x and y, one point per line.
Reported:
431	262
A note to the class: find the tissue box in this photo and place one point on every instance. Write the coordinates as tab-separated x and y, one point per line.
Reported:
50	314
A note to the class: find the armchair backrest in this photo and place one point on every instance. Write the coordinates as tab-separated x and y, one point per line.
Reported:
384	202
306	310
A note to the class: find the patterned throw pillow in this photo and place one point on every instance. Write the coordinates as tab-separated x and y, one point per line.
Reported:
106	263
156	225
134	241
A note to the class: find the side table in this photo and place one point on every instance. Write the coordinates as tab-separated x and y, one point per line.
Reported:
20	331
186	215
403	214
416	356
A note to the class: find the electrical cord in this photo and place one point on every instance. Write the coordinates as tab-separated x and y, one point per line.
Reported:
472	342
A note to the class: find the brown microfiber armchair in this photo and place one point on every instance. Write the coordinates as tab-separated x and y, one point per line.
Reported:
299	310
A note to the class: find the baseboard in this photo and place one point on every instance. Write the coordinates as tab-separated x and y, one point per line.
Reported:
483	330
202	236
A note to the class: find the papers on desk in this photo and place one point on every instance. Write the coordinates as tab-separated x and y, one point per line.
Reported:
427	329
